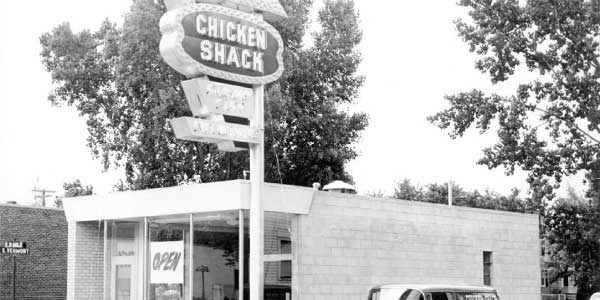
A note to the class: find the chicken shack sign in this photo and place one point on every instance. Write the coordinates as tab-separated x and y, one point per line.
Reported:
206	39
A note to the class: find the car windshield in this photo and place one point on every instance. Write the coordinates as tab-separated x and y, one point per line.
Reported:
395	294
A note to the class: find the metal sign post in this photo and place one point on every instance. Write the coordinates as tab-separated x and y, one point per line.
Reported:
14	248
14	277
257	173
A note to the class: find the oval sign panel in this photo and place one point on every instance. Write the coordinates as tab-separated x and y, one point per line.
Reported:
206	39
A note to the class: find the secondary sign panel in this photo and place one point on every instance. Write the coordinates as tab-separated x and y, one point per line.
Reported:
207	97
207	39
213	131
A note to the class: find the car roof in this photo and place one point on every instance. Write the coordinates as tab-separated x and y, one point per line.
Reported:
437	287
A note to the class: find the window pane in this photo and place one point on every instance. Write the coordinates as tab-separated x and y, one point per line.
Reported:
123	282
408	295
441	296
169	258
286	270
216	255
487	268
278	250
286	247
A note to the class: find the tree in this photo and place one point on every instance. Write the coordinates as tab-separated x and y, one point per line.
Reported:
117	80
405	190
572	236
438	193
74	189
549	126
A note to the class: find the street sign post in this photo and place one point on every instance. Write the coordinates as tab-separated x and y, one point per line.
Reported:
14	248
239	47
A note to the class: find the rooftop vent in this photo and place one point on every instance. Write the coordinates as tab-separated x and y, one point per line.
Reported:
339	186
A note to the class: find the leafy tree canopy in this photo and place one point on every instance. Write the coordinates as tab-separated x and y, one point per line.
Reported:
549	126
572	237
116	78
438	193
74	189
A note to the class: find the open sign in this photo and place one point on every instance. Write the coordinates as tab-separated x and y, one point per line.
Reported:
166	262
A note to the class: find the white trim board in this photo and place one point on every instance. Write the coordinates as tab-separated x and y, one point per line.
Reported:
185	199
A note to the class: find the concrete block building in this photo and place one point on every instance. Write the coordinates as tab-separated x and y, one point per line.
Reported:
191	242
41	274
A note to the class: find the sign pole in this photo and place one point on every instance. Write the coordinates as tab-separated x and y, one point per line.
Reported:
195	37
14	277
257	173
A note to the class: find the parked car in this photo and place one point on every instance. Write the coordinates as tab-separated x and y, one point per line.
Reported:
431	292
595	296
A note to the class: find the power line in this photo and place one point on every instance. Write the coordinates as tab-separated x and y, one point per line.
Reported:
43	195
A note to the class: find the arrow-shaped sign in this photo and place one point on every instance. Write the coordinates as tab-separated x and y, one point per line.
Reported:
229	137
208	97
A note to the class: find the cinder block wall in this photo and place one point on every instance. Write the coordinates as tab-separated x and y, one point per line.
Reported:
348	243
43	273
85	261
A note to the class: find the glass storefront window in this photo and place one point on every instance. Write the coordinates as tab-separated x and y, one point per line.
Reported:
216	256
169	258
164	258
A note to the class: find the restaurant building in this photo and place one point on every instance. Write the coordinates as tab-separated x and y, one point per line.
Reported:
184	243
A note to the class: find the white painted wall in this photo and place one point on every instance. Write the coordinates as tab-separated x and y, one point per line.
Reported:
348	243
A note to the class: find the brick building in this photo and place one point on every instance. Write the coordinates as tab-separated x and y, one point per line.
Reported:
318	245
42	274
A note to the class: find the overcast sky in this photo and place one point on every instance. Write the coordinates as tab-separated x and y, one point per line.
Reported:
412	58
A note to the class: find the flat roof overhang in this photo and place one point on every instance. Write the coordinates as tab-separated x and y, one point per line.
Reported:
185	199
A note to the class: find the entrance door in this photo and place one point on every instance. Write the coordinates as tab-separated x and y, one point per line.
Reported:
124	274
124	261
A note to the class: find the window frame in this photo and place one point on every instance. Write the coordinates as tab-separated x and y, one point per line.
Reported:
487	267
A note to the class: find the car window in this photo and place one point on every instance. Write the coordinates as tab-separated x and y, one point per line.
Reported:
440	296
395	294
411	295
374	294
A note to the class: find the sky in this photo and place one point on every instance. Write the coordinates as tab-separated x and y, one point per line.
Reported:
412	57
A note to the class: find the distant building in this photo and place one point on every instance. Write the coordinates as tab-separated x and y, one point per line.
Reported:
41	274
561	289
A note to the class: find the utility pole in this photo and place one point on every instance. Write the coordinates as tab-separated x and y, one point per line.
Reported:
450	193
43	195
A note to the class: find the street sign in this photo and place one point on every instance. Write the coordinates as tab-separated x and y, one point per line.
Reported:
14	248
207	97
